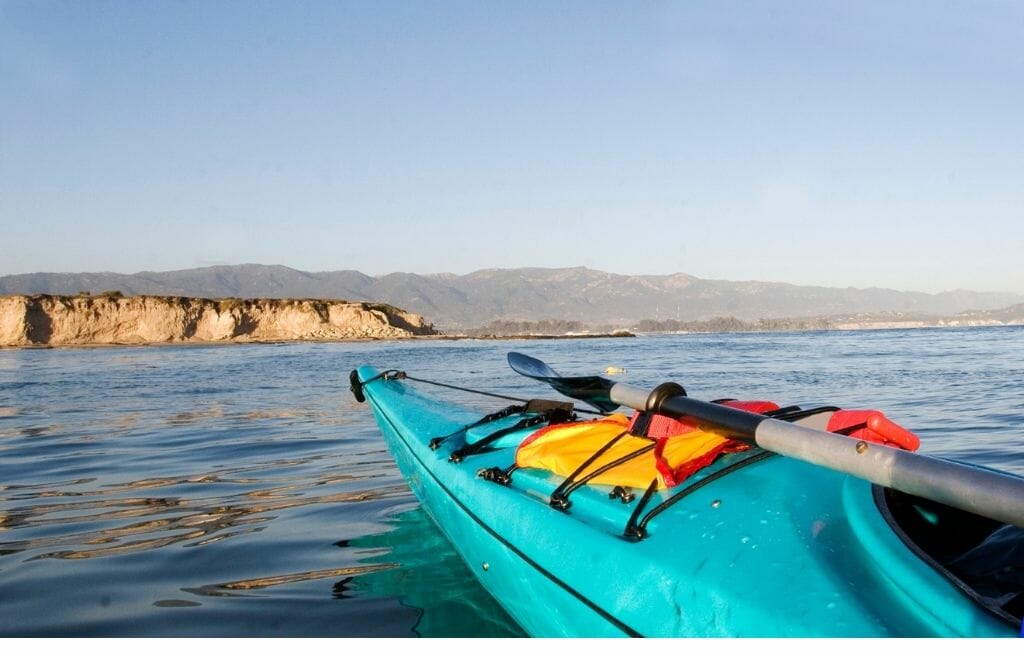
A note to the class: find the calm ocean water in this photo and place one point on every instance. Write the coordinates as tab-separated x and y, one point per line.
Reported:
241	491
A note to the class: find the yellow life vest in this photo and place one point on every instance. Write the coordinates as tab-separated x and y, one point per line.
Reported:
563	448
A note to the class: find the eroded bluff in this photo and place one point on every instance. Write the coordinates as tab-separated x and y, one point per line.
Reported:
115	319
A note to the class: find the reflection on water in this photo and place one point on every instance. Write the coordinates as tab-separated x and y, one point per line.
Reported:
425	573
231	588
165	520
213	412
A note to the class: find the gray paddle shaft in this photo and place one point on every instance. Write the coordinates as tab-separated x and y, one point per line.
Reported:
984	492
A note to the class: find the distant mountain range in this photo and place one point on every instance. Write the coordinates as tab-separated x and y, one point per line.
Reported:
455	302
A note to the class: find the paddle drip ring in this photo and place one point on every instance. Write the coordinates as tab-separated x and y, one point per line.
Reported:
663	392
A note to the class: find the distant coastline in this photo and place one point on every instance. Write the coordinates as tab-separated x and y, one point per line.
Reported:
572	299
871	321
729	324
113	319
534	337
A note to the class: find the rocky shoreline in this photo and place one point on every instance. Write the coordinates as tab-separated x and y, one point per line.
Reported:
113	319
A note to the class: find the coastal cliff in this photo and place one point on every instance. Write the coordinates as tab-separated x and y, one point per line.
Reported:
134	320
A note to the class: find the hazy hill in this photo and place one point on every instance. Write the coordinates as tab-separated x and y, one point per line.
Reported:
526	294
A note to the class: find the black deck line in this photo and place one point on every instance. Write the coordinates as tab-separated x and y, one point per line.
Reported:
512	547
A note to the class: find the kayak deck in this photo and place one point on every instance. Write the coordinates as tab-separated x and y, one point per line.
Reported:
752	545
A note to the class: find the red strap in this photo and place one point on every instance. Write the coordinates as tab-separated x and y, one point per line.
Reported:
662	426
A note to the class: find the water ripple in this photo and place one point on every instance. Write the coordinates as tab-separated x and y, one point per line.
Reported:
231	588
177	520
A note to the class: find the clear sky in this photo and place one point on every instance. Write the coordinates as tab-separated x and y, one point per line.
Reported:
827	143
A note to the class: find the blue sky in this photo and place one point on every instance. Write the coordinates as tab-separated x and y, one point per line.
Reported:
837	144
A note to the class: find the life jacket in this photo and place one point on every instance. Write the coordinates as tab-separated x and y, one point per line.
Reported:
668	450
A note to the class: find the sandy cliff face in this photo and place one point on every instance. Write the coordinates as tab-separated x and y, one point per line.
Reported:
89	320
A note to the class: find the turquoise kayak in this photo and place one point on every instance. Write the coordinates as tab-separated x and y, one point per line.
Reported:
754	544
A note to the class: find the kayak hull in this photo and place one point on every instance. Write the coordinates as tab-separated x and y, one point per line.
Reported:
777	548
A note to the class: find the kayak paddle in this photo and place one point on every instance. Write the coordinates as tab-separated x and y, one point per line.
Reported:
982	491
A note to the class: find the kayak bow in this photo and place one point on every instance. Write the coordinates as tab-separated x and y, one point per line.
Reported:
754	544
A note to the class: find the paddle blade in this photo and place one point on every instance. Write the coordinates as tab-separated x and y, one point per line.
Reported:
595	391
530	367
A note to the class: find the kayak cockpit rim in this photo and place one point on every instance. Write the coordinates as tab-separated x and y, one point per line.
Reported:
939	535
